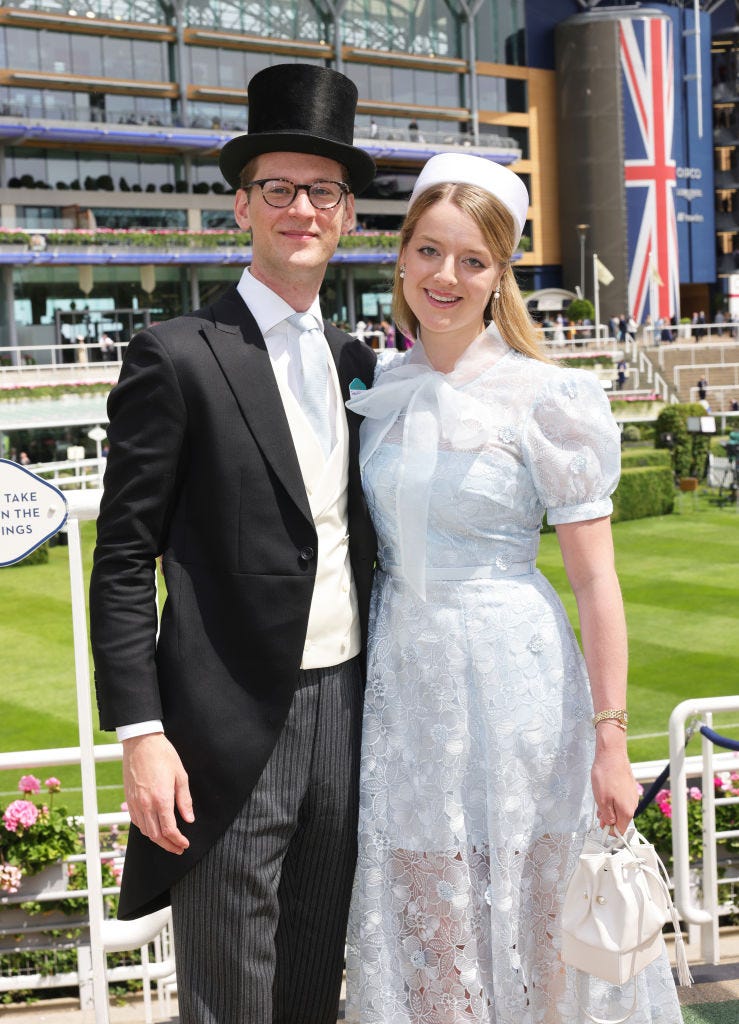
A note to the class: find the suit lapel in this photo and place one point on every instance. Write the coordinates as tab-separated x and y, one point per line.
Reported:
238	346
336	341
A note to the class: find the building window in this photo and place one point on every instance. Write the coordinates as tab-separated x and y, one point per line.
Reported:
218	220
401	25
280	19
22	48
406	86
87	54
500	32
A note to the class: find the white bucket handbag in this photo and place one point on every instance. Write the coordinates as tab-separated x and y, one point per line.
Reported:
616	905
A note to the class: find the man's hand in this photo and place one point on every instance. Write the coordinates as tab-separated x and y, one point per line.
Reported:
155	782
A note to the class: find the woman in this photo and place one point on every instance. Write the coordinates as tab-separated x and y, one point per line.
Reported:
479	740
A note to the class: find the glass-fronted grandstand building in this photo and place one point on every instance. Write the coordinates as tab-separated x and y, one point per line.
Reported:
112	114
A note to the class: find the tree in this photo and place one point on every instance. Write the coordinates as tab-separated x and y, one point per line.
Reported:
580	309
688	451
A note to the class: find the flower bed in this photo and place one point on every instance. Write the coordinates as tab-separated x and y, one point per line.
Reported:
34	834
655	822
168	239
15	392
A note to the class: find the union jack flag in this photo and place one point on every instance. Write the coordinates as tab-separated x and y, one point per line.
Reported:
650	172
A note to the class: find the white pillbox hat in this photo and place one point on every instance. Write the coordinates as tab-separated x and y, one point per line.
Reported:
464	169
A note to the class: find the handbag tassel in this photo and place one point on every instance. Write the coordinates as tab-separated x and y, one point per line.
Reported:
684	977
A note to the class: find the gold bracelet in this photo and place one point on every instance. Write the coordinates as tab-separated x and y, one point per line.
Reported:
619	717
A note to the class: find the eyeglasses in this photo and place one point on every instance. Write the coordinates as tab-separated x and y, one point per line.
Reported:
281	192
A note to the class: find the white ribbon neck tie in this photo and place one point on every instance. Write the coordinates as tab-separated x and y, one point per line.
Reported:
314	364
434	410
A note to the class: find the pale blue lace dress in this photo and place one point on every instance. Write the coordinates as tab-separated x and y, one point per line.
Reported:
478	741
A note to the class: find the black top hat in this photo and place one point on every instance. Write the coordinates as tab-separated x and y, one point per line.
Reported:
300	108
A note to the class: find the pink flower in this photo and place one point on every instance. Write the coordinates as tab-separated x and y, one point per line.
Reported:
666	809
10	878
664	796
20	814
124	806
53	784
694	793
640	789
29	784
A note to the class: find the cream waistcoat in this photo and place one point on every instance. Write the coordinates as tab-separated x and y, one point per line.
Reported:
333	623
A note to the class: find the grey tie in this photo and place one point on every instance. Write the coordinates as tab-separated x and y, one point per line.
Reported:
314	363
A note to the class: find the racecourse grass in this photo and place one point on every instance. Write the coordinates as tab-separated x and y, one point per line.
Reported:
680	580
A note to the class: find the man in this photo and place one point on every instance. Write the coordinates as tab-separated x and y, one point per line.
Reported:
233	457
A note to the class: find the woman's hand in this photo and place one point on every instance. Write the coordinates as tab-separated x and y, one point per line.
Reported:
614	786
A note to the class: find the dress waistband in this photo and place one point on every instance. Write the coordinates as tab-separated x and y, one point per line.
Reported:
470	572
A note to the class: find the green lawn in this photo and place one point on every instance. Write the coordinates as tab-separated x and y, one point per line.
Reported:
38	706
680	581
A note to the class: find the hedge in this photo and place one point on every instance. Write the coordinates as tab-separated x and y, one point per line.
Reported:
39	556
644	491
633	457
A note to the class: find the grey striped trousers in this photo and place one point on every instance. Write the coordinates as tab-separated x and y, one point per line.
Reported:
260	921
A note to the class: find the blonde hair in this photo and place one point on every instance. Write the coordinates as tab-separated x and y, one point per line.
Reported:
496	225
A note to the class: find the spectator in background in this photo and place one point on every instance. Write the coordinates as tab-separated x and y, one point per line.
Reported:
81	353
702	388
107	347
622	328
621	374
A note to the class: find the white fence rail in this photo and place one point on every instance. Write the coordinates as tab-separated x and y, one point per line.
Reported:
105	935
707	915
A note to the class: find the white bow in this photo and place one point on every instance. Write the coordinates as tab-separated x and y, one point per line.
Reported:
435	411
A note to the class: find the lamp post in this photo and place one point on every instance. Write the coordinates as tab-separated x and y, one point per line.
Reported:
582	230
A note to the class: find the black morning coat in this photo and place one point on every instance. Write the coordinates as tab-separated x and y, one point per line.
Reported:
202	470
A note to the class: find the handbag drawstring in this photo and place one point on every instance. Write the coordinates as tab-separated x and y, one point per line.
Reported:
684	977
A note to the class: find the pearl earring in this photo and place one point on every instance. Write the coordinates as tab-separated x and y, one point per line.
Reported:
496	293
402	271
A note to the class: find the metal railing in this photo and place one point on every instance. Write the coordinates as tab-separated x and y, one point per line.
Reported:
707	915
701	333
33	361
72	474
133	935
105	935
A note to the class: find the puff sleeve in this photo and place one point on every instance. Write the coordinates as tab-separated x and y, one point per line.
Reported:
572	446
